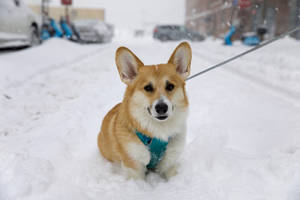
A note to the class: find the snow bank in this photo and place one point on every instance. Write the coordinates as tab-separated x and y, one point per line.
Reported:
16	68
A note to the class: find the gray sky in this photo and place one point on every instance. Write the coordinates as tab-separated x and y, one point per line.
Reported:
134	13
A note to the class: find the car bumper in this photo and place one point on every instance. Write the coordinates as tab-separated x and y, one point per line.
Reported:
89	36
12	40
12	44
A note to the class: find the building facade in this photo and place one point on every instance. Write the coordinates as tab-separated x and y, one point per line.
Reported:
214	17
75	13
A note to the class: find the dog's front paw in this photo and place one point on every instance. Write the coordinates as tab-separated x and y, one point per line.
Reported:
170	172
133	173
135	176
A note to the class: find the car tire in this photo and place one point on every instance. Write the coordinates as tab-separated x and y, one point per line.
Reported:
34	36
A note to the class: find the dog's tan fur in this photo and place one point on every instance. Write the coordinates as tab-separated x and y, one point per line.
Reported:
119	125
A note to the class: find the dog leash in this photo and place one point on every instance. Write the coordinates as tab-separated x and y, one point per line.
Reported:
244	53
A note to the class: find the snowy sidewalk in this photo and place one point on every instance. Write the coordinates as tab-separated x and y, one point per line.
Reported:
243	140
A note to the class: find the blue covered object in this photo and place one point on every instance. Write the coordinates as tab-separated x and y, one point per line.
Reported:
251	40
228	37
66	29
45	35
58	32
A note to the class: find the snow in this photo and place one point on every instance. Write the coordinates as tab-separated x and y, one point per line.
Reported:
38	61
243	129
276	66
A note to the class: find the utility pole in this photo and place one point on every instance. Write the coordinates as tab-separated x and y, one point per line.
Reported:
264	11
44	10
67	14
67	3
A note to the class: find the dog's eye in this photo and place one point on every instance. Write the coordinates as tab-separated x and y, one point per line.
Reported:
148	88
169	86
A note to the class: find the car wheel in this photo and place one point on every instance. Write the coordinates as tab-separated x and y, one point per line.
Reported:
34	36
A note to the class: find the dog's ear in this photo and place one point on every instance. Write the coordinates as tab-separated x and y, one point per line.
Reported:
181	58
128	64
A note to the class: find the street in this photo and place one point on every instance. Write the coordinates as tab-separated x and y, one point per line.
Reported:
243	126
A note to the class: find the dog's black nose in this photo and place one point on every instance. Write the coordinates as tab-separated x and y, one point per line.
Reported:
161	108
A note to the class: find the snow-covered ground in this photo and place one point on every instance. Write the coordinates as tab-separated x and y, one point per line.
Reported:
243	128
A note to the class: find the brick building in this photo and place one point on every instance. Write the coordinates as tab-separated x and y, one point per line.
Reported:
214	17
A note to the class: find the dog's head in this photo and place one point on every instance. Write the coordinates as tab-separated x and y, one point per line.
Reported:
155	92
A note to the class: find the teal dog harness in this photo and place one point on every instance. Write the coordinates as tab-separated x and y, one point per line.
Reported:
157	148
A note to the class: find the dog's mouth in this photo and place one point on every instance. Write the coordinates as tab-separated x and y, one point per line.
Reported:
161	118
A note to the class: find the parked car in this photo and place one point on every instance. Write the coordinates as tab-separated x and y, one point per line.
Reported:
19	26
94	31
176	32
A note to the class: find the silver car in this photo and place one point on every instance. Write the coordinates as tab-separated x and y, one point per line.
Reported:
19	26
94	31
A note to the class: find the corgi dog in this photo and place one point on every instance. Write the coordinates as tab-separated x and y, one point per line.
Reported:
147	130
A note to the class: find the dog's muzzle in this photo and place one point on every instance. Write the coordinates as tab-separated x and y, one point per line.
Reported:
161	109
